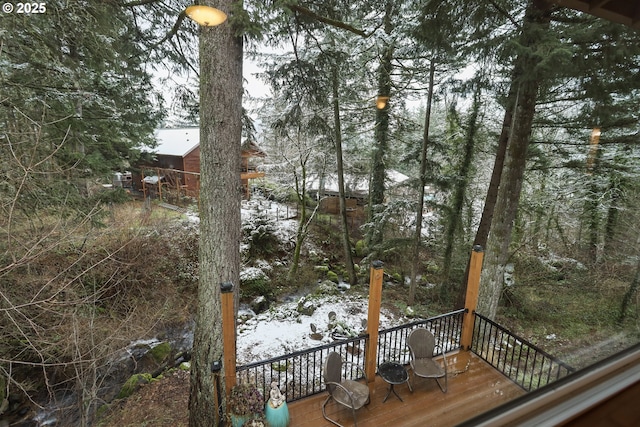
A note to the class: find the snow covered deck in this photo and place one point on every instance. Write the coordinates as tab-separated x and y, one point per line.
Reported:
474	387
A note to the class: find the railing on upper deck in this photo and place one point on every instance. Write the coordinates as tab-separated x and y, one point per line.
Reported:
527	365
299	374
447	328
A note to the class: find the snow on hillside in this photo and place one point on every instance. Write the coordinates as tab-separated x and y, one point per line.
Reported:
283	329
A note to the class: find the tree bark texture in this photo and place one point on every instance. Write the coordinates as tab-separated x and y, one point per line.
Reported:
381	135
300	182
460	189
616	188
220	193
422	181
627	299
592	206
482	232
346	244
529	76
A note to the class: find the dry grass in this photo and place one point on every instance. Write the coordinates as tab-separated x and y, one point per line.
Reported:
162	403
72	307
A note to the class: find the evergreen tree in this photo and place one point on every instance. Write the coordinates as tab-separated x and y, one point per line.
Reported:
78	68
529	71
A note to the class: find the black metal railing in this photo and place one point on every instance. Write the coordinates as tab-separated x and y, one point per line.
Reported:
447	328
527	365
299	374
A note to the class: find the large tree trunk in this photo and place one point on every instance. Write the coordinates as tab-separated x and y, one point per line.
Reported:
497	251
346	244
422	181
220	192
381	135
482	232
592	204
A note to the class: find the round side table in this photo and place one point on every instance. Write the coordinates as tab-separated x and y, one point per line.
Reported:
393	373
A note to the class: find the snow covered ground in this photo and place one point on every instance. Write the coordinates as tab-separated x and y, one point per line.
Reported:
283	330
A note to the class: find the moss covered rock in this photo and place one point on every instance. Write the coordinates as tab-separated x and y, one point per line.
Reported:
132	384
326	287
361	248
332	276
161	352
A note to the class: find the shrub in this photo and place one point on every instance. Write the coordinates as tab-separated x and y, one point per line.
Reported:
246	399
259	235
254	282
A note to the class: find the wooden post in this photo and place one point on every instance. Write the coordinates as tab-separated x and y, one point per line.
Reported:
229	337
159	185
373	321
471	299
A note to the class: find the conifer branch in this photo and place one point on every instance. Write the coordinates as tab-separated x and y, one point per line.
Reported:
173	31
328	21
135	3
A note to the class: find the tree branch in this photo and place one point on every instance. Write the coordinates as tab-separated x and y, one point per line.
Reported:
135	3
328	21
173	31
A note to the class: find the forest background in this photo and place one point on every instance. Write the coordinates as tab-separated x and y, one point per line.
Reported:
531	153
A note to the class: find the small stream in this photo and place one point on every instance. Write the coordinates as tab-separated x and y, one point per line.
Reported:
63	408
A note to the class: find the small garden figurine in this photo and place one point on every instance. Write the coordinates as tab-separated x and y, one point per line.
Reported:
276	397
276	411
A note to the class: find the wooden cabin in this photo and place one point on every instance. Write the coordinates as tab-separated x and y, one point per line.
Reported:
176	167
325	190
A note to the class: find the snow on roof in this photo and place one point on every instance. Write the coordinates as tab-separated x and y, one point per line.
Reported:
356	184
395	177
182	141
178	141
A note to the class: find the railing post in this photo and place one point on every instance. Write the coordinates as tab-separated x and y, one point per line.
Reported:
229	337
373	320
471	298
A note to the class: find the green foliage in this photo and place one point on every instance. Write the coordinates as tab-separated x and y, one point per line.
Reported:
115	196
132	384
361	248
281	366
560	298
255	282
258	233
86	82
332	276
161	352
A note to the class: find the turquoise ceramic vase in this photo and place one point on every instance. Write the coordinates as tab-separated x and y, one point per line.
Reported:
277	417
238	420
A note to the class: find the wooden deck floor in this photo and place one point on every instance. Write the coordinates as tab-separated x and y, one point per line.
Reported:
474	387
